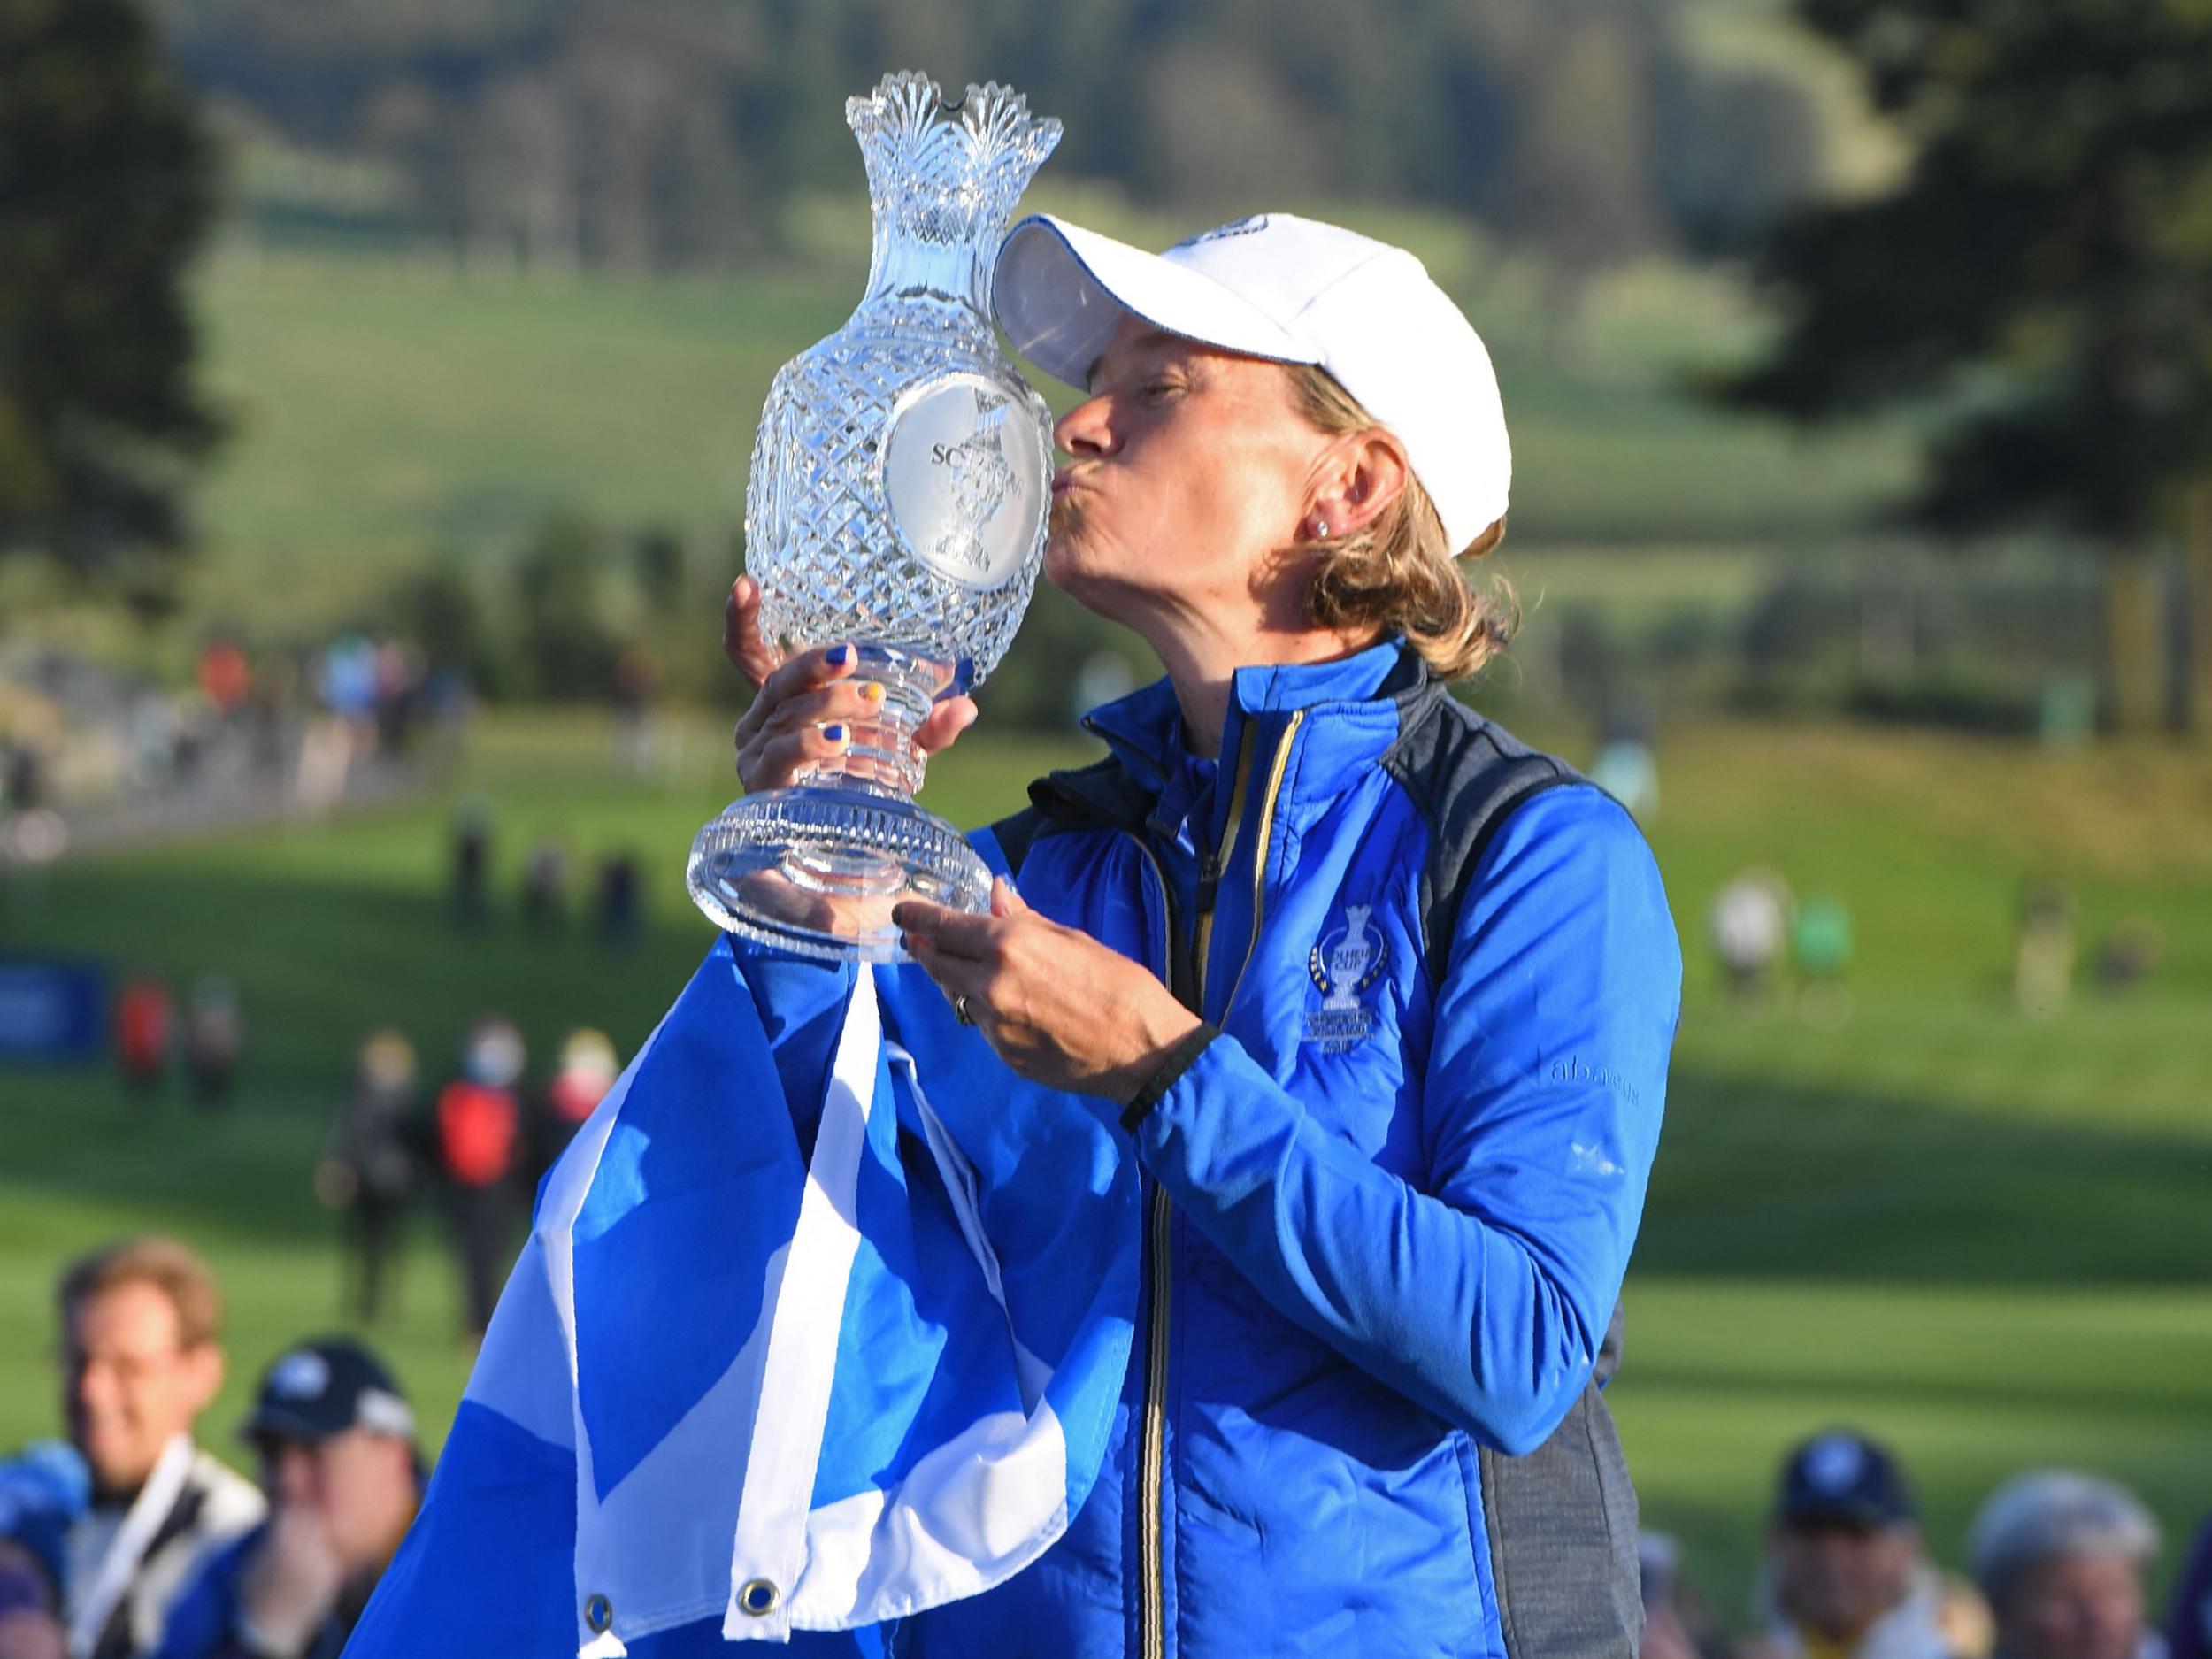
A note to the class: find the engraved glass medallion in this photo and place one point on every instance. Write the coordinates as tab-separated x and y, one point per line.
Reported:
900	488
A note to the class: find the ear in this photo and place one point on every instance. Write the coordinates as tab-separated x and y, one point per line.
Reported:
1359	478
204	1366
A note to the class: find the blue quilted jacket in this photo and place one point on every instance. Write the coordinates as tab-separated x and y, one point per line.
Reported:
1388	1203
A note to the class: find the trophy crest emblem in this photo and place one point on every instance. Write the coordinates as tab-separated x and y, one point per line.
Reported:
1343	963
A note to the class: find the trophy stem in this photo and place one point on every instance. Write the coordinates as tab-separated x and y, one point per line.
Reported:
880	754
817	869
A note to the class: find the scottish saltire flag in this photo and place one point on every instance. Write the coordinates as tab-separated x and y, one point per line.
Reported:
781	1355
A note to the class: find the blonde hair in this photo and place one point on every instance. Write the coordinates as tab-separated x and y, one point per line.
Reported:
170	1266
1397	575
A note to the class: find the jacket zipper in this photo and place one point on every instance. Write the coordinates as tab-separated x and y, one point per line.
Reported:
1151	1452
1152	1429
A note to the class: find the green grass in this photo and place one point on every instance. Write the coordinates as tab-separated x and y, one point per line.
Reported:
383	410
1982	1236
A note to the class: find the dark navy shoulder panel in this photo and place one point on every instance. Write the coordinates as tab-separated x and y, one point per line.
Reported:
1465	775
1101	796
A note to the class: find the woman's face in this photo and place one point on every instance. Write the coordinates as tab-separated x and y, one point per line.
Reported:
2074	1607
1188	466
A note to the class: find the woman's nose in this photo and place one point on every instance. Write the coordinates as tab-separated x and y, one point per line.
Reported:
1085	430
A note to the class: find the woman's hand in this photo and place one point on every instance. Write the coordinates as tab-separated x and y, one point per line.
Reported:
1060	1007
809	702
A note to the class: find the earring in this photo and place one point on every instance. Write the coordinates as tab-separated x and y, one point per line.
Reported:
1320	528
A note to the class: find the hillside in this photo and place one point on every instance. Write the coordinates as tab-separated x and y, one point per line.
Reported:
387	410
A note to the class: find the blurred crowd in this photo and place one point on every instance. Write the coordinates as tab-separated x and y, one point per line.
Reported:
479	1139
293	729
1774	944
546	899
126	1537
2056	1564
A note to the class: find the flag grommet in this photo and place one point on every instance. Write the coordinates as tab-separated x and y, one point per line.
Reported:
599	1613
757	1599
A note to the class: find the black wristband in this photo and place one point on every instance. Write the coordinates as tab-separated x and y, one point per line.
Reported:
1177	1062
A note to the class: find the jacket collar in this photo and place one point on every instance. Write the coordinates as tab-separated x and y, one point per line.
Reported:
1144	730
1362	705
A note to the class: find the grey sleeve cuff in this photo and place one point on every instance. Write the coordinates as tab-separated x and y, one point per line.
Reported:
1177	1062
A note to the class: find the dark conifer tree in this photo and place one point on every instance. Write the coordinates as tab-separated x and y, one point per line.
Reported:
106	189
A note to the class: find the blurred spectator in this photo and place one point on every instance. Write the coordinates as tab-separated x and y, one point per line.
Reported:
1820	938
2043	958
43	1492
1749	926
2189	1627
1848	1575
275	685
544	883
1625	766
588	1071
636	681
477	1121
22	778
619	899
1820	949
342	1477
346	682
471	863
2129	953
1103	677
369	1172
448	699
398	680
1677	1623
214	1036
140	1359
30	1620
2061	1556
144	1013
153	738
226	679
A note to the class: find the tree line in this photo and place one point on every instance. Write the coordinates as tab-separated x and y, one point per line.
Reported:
614	134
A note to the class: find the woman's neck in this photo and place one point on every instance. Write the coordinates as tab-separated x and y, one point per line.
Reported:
1202	658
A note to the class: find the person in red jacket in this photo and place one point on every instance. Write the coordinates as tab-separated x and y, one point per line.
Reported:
476	1126
145	1015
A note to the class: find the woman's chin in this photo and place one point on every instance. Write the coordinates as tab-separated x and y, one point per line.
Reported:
1063	560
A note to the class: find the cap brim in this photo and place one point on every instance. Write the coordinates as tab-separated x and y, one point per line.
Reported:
1872	1517
1060	291
274	1423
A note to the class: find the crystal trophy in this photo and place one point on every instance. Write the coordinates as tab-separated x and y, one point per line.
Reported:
900	488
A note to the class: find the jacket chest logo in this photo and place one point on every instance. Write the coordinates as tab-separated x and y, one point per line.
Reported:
1344	962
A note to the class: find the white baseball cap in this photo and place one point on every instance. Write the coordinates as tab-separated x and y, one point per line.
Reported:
1295	290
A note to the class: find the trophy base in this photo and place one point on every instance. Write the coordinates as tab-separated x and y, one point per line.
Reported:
815	870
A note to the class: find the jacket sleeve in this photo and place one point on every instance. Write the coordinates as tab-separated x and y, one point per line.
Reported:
1483	1292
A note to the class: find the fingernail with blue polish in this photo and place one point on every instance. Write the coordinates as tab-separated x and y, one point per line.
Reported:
840	655
835	733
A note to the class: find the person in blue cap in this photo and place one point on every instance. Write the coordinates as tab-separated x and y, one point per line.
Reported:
335	1438
1380	998
1847	1572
